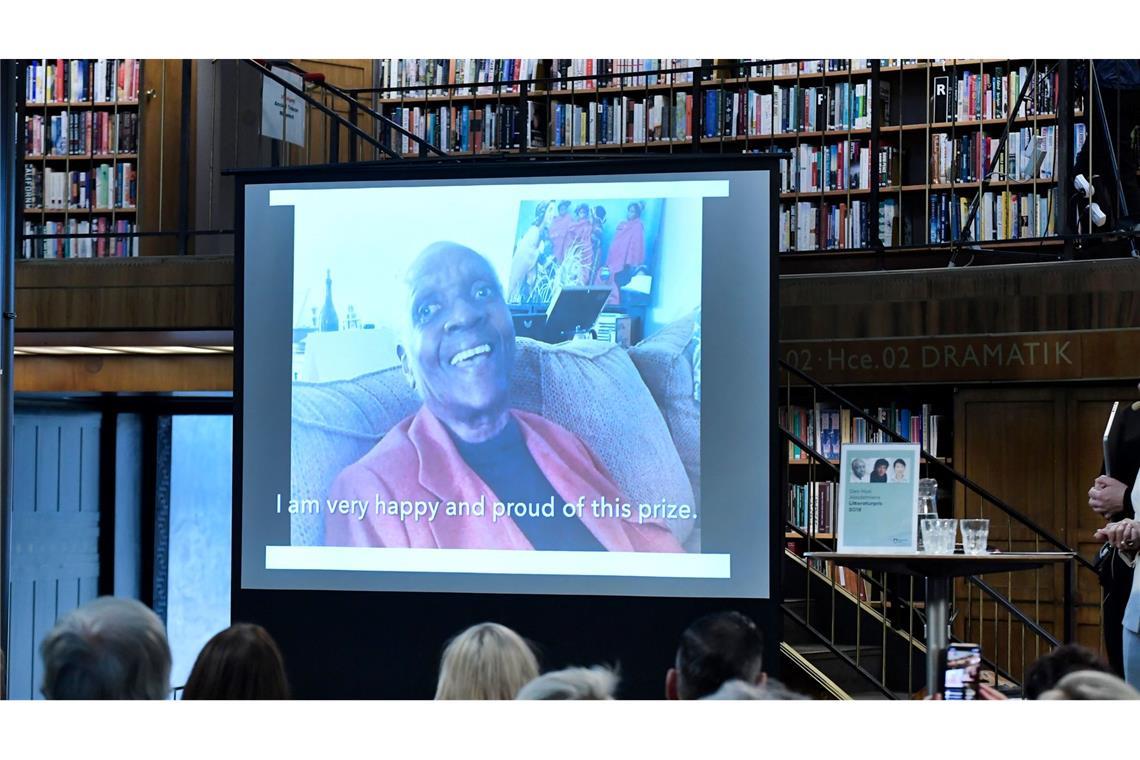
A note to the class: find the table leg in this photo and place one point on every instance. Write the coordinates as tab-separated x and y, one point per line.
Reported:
937	627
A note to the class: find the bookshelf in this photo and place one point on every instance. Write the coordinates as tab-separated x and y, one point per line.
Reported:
928	127
81	156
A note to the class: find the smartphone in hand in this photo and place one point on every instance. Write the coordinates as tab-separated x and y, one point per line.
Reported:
961	671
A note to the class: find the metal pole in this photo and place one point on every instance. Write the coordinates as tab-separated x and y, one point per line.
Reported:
873	98
1070	622
184	161
352	116
937	627
1062	218
11	123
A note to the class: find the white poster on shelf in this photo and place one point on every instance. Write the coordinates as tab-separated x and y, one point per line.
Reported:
878	498
283	111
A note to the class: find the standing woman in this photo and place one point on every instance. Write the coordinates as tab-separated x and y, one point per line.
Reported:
1124	535
627	251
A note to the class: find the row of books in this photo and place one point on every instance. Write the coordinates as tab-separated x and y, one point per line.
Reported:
103	187
819	66
835	225
431	73
623	72
1028	154
828	429
103	80
852	581
623	119
973	96
103	243
81	133
1000	216
805	226
464	128
784	110
842	166
811	506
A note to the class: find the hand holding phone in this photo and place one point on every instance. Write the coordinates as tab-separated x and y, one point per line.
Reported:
961	672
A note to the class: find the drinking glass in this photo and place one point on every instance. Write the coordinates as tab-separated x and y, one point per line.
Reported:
975	533
938	535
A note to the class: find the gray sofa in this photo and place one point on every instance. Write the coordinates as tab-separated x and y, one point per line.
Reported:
634	408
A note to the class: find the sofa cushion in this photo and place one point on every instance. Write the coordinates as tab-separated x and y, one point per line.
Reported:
665	361
589	387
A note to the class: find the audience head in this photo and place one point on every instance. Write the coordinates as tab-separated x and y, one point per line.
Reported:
1091	684
573	683
715	649
1044	674
110	648
770	689
241	662
487	661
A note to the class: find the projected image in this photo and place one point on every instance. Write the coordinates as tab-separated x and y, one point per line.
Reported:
422	419
608	243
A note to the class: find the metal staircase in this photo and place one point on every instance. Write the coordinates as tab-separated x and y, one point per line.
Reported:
855	634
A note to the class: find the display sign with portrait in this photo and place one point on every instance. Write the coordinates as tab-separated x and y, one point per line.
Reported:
878	498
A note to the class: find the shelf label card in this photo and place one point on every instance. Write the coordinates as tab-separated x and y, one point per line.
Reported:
282	111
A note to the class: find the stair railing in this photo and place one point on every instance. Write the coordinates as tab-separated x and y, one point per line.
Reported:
900	610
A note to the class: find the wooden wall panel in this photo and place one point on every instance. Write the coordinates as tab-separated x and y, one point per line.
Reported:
177	292
1088	409
108	374
160	180
1085	295
346	73
1039	449
1009	442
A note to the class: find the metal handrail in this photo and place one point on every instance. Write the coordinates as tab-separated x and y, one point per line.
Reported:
701	69
339	120
830	646
830	471
1012	609
813	672
942	467
896	598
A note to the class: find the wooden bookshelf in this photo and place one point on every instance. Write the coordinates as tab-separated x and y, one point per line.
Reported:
93	104
911	206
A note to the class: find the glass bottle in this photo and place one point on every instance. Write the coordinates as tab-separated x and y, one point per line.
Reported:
329	320
927	503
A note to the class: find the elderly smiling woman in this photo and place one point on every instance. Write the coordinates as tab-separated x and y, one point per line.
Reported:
466	443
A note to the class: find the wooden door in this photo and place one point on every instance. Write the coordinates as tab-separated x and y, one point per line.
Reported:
1039	450
54	559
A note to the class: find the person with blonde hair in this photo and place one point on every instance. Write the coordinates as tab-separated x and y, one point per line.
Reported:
487	661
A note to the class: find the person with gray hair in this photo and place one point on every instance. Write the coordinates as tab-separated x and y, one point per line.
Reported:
110	648
1091	684
770	689
597	682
